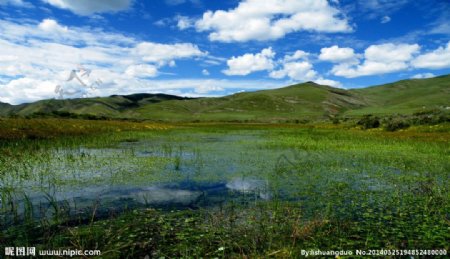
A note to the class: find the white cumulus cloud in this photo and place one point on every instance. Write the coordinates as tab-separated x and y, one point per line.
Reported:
336	54
298	68
248	63
300	71
423	75
436	59
142	71
379	59
329	82
390	52
156	52
52	26
271	19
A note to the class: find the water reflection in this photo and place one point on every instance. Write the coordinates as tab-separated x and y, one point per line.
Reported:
201	171
259	187
156	195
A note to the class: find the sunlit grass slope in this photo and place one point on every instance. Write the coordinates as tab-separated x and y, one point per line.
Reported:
405	97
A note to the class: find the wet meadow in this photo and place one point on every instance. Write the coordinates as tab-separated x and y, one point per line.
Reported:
136	189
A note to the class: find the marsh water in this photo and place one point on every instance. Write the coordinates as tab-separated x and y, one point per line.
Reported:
183	169
175	170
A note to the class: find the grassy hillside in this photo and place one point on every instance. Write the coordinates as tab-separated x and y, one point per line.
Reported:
405	97
307	101
4	109
302	101
113	106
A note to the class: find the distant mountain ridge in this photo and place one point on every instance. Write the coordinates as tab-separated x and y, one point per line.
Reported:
306	101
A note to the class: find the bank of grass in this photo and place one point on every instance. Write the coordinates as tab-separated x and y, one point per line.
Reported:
357	189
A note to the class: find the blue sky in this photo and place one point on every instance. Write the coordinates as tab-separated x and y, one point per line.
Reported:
214	48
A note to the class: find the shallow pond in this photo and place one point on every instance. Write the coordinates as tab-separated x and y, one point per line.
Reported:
171	170
187	169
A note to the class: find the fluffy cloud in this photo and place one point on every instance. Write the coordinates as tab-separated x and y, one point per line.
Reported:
142	71
300	71
336	54
26	90
379	59
271	19
299	54
52	26
35	57
88	7
162	53
248	63
329	82
296	67
390	52
368	68
436	59
424	75
385	58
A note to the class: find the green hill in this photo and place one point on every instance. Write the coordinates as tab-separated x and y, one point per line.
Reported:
306	101
302	101
111	107
405	97
5	109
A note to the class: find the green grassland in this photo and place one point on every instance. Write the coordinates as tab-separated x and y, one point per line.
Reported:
332	187
302	102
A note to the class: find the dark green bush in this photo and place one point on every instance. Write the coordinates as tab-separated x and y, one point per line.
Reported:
369	122
434	116
335	120
396	124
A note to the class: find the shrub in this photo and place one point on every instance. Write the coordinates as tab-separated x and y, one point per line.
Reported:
369	122
335	120
396	124
434	116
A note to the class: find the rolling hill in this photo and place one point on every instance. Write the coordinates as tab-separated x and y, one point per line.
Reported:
405	96
306	101
5	108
